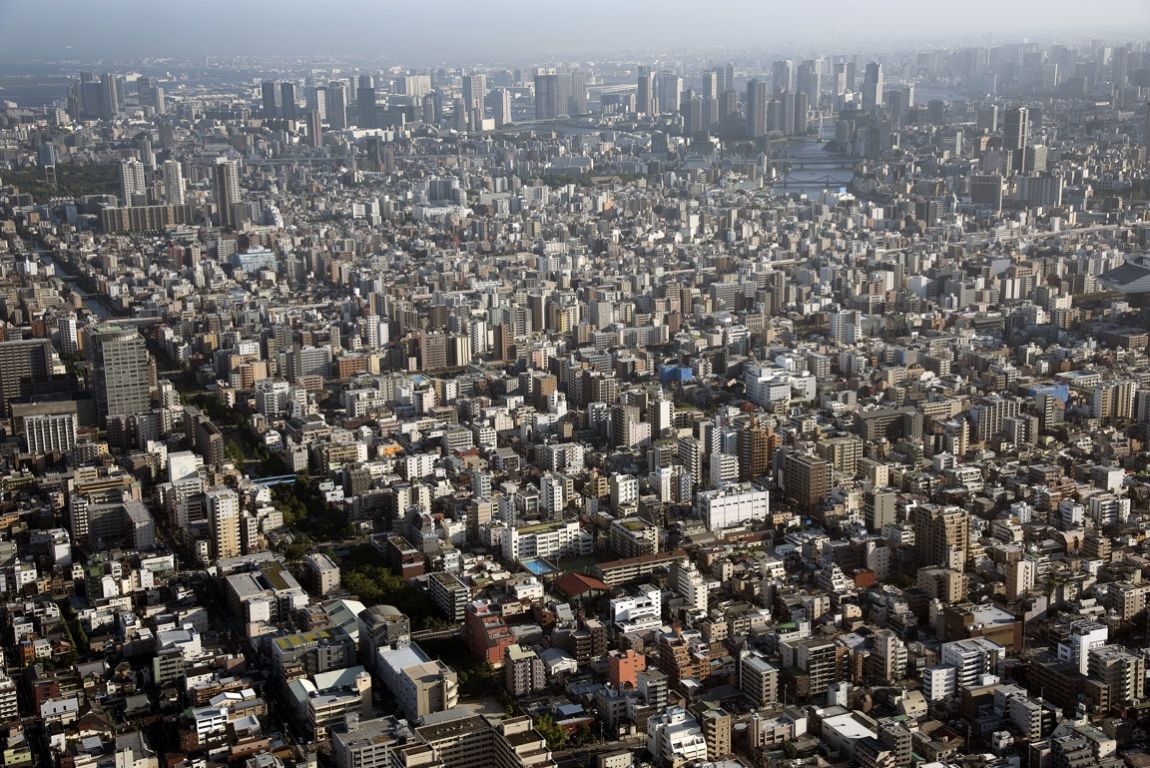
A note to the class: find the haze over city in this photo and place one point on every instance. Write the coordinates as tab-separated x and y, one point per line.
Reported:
454	30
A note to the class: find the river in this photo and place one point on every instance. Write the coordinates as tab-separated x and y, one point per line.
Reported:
828	175
91	302
834	171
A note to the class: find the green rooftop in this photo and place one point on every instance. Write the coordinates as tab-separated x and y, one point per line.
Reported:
302	640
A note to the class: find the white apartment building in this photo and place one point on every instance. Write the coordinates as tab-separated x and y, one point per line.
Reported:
732	505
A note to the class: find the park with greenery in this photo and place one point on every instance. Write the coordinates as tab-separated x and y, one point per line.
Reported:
72	180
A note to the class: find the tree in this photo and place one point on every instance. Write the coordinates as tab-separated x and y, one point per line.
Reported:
295	551
901	580
81	638
584	736
554	735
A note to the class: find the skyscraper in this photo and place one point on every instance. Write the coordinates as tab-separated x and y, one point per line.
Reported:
224	522
365	102
314	128
111	96
46	154
460	114
120	374
987	119
88	95
809	80
1016	129
775	117
287	101
726	78
151	94
806	479
432	109
22	361
1146	128
757	108
670	90
1016	135
546	96
146	153
1120	66
645	99
564	97
839	85
69	335
710	84
728	114
560	94
268	97
872	86
432	350
337	105
173	182
941	536
755	448
787	100
227	188
132	180
315	99
783	74
500	100
414	86
692	109
710	96
475	94
802	114
577	98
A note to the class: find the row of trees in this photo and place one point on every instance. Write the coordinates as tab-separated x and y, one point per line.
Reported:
74	634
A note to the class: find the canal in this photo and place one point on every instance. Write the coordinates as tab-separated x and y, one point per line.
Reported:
91	302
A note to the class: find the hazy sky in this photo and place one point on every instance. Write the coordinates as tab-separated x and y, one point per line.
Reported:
509	29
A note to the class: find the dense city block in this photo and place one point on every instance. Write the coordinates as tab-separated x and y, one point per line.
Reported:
685	409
